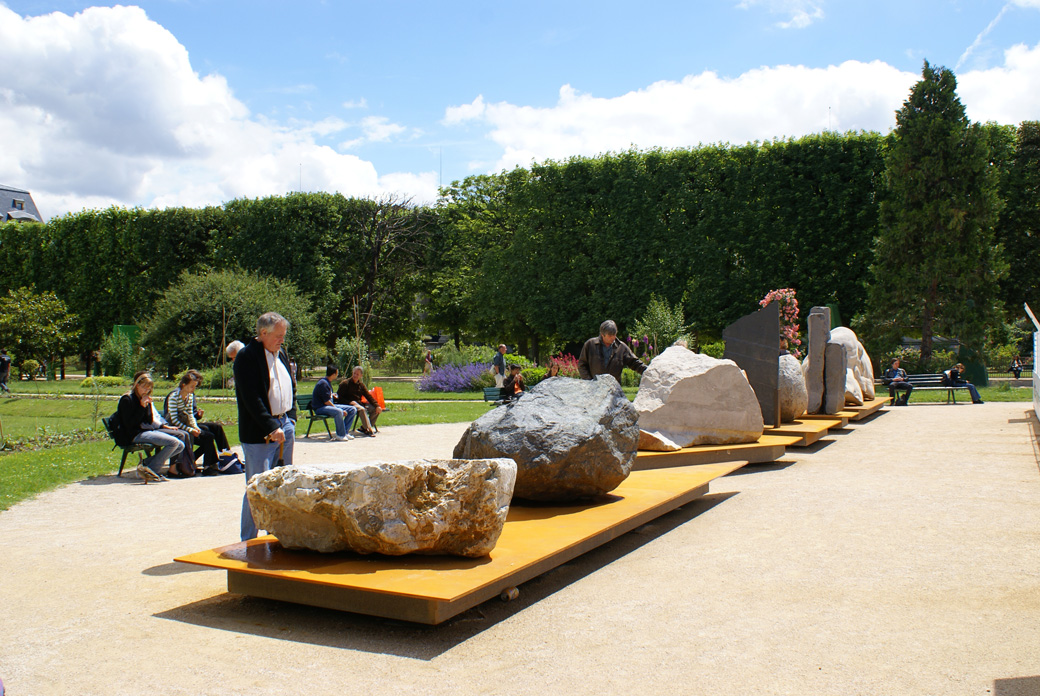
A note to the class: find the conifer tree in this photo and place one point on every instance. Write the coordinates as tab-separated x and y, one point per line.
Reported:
937	263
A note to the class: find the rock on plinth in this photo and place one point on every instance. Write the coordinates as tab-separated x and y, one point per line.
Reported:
819	325
689	399
570	438
424	506
858	361
835	373
794	398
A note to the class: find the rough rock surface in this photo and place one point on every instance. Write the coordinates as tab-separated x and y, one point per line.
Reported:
422	506
834	378
853	392
812	367
794	398
689	399
857	360
570	438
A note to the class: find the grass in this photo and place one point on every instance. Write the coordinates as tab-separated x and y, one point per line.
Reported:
999	392
27	474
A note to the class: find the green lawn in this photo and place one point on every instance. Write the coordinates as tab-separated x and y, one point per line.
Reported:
1002	392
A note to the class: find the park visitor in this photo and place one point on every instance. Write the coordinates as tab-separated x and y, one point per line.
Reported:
498	366
955	379
323	405
266	395
185	414
605	355
144	426
353	392
895	378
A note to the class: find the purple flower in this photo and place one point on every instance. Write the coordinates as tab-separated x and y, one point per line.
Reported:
453	378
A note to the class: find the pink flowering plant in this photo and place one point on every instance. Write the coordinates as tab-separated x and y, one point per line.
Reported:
788	318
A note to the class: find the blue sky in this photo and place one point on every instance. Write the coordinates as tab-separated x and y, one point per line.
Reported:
194	102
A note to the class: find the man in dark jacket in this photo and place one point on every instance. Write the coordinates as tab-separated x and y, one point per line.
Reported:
266	394
605	355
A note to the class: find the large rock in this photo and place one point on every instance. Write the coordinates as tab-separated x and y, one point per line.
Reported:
570	438
819	325
689	399
794	398
835	373
423	506
858	361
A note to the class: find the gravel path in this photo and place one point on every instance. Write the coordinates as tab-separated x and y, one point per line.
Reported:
901	556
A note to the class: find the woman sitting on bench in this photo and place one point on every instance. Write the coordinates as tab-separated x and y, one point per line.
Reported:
144	425
953	376
210	437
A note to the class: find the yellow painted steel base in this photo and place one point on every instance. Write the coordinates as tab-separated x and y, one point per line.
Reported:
808	430
841	416
432	589
769	448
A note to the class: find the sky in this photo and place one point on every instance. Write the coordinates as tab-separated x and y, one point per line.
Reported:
197	102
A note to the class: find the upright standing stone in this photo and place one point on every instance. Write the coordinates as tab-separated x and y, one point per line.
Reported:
753	343
835	374
812	366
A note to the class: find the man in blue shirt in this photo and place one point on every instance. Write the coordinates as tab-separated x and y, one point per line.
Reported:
321	401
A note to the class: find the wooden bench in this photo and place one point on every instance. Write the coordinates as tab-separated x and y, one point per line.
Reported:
930	382
495	394
304	402
132	447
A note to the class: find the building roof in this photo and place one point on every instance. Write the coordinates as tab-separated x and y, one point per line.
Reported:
10	210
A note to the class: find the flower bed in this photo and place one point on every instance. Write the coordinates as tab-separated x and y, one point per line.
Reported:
457	378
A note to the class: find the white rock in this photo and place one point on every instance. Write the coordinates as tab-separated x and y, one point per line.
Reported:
853	392
425	506
687	398
794	398
857	360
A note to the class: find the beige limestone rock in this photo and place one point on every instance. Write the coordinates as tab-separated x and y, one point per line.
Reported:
794	398
425	506
687	398
858	361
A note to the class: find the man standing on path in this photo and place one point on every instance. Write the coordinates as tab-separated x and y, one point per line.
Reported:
5	370
266	395
605	355
498	366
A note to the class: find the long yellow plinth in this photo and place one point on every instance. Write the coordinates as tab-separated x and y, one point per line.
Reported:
868	408
431	589
842	417
768	448
807	431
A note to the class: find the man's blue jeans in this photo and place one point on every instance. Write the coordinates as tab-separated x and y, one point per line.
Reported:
170	446
261	458
343	415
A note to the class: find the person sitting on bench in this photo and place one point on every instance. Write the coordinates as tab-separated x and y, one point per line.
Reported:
953	377
144	425
323	405
895	378
185	415
513	387
352	392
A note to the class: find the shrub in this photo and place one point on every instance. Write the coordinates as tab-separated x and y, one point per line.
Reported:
405	356
629	378
91	382
466	355
715	350
910	360
533	375
452	378
351	352
515	359
568	365
30	367
117	356
217	377
658	328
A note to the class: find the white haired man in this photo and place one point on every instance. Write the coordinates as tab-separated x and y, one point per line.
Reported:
605	355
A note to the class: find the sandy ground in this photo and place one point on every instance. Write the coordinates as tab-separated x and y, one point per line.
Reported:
900	556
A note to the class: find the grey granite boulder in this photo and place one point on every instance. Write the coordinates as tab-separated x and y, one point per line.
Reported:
689	399
394	508
834	378
794	398
818	324
570	438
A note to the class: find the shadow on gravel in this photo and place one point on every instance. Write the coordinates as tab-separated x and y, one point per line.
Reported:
1020	686
778	465
335	629
174	569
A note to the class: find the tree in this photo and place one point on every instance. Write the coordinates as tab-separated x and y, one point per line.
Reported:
36	326
1019	228
200	313
937	262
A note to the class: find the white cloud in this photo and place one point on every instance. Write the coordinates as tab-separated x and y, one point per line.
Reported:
759	105
801	13
104	108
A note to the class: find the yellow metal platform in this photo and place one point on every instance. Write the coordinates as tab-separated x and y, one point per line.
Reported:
808	431
769	448
842	416
432	589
